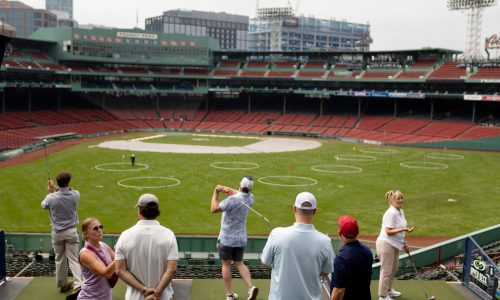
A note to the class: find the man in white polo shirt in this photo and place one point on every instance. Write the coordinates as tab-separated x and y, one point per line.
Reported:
298	255
146	254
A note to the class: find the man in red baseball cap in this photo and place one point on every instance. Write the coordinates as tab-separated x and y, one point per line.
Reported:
352	270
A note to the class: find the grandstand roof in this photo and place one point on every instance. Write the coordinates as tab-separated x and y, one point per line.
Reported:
236	53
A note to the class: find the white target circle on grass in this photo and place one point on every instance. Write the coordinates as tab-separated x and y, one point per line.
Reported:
447	156
290	181
121	167
340	169
234	165
355	157
423	165
139	182
379	151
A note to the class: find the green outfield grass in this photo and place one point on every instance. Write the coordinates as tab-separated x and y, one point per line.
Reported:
443	202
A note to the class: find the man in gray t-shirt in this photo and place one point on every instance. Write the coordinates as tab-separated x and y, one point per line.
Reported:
62	203
233	233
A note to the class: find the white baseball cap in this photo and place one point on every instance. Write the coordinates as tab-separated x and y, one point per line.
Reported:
305	200
147	200
247	182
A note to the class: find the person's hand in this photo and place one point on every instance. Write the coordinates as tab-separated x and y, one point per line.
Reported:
150	292
151	297
406	248
51	187
227	191
410	229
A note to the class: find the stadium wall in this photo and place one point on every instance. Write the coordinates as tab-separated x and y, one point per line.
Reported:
432	255
488	144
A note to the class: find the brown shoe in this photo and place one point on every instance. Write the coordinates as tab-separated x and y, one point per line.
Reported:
66	287
74	294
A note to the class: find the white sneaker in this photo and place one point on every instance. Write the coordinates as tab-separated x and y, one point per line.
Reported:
385	298
234	296
252	293
393	293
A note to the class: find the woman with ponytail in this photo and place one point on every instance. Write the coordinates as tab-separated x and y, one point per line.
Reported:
97	261
390	241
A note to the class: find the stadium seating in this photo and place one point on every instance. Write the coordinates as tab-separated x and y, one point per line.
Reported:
285	69
373	122
162	98
444	129
448	70
404	125
424	63
487	72
311	74
478	132
315	65
411	74
196	72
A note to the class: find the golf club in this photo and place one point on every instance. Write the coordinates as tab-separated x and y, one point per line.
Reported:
46	161
416	275
229	191
263	218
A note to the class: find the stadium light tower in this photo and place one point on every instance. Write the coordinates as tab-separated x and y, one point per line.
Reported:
474	10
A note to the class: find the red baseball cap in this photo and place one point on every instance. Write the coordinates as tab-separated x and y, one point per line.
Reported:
348	226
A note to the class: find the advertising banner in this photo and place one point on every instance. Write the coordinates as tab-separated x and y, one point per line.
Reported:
492	42
380	94
361	94
473	97
416	95
491	98
481	275
398	95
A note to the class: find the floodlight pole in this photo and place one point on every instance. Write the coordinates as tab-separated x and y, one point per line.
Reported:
474	24
474	10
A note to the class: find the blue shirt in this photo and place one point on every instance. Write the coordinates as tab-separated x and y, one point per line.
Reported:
233	227
353	271
298	255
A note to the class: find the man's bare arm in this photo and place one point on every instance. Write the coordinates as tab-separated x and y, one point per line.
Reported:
130	279
168	275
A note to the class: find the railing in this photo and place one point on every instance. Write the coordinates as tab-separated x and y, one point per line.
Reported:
435	254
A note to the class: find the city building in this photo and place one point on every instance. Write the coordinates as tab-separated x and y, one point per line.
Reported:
25	19
275	31
61	6
63	9
7	29
230	30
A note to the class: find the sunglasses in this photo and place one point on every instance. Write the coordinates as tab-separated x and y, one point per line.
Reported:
97	228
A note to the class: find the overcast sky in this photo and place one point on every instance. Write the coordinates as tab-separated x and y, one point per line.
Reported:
395	24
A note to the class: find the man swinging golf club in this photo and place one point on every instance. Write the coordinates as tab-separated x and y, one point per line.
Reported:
233	235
